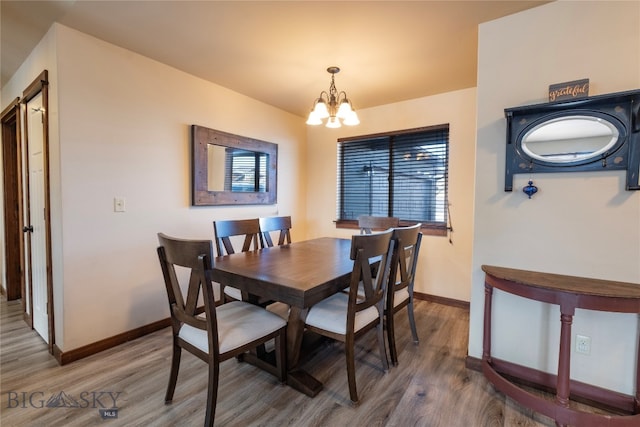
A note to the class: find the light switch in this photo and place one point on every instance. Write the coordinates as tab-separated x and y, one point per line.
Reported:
118	204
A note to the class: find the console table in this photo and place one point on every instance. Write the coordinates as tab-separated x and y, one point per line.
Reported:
569	293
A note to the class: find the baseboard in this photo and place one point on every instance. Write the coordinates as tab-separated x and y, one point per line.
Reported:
442	300
473	363
65	357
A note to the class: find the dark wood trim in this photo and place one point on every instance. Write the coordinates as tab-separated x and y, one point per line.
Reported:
36	86
473	363
107	343
442	300
13	236
429	229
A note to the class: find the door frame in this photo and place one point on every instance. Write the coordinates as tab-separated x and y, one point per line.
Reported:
40	85
12	185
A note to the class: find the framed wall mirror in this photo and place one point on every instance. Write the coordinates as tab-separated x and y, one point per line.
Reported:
591	134
229	169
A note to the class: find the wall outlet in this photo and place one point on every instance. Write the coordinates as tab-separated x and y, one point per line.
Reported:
583	344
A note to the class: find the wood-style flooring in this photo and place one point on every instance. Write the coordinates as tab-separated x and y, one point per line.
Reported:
430	387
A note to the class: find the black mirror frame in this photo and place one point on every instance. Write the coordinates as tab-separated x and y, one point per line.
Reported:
201	137
621	109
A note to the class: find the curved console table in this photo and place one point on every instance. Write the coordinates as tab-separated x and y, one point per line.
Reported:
569	293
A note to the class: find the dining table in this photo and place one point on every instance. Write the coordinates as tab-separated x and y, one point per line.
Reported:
299	274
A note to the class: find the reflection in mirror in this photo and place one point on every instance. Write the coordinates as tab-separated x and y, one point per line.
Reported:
569	139
236	170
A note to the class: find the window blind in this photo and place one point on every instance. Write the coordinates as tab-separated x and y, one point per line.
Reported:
403	174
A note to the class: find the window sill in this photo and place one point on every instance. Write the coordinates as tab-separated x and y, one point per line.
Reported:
431	229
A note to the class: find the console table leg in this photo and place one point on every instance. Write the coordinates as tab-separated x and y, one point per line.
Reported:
562	390
486	341
637	402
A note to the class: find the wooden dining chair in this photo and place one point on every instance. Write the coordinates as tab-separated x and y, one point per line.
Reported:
368	224
225	229
280	224
402	274
211	333
347	316
247	230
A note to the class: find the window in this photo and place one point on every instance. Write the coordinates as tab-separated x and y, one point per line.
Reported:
402	174
245	170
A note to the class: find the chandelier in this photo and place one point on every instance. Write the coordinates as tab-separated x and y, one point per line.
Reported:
334	106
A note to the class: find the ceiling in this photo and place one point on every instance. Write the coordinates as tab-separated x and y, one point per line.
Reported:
278	51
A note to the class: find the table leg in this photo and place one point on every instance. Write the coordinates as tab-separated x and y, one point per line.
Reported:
564	358
637	402
296	377
295	331
486	340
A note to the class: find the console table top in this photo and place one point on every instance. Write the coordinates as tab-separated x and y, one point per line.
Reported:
568	284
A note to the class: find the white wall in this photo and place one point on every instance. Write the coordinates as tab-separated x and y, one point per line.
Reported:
582	224
124	132
443	267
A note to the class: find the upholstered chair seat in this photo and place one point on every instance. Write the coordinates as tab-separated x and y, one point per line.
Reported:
239	323
330	314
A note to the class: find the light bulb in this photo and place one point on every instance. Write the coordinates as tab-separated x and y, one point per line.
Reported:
344	110
320	109
351	119
333	122
313	119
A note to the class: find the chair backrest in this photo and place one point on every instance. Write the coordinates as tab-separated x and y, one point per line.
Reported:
275	223
371	255
369	224
223	230
405	258
197	256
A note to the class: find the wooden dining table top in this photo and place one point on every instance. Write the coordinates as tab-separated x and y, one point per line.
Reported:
299	274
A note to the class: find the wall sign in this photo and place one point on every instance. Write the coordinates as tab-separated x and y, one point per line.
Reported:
575	89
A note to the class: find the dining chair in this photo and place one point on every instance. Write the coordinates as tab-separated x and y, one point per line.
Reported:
347	316
281	224
368	224
211	333
224	230
401	279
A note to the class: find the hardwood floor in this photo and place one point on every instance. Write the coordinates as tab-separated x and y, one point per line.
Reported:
430	387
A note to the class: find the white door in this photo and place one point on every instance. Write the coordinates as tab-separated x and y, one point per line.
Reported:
38	236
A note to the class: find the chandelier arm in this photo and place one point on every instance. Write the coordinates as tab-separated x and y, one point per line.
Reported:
326	94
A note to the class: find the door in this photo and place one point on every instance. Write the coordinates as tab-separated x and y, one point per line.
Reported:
36	227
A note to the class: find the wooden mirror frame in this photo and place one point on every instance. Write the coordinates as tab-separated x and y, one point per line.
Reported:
201	137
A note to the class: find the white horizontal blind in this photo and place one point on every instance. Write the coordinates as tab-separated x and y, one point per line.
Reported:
403	175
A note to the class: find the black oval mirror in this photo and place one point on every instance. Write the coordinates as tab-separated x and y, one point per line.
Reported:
570	139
